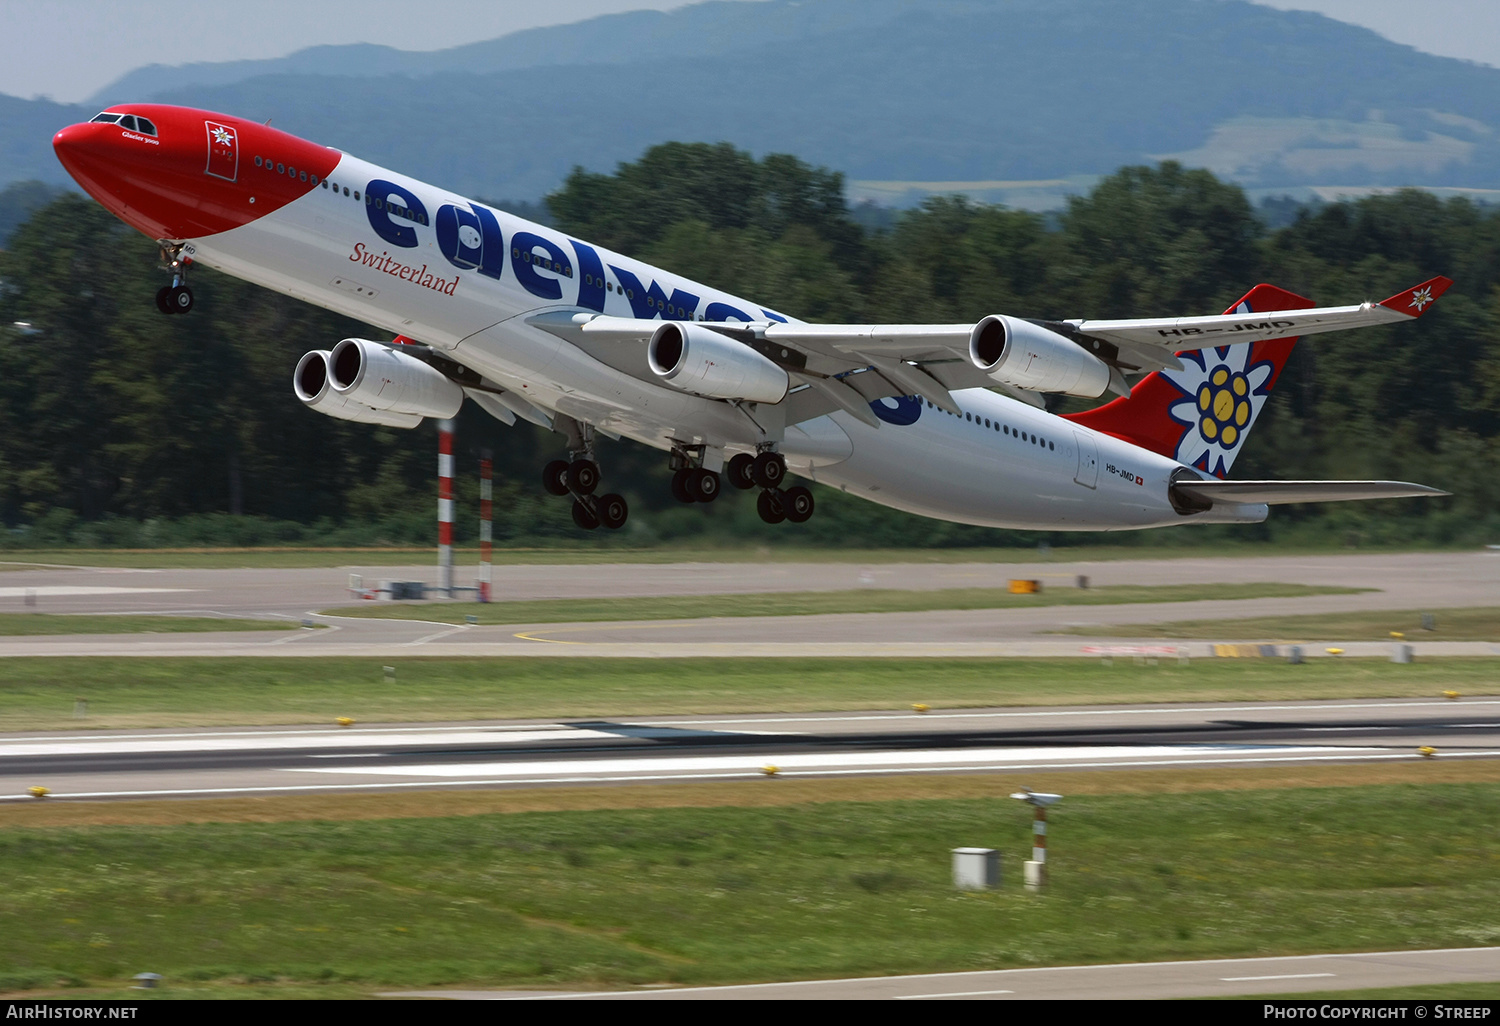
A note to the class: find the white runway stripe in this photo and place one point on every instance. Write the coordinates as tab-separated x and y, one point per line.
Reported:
753	762
76	590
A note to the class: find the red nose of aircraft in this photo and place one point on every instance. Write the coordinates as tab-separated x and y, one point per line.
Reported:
179	173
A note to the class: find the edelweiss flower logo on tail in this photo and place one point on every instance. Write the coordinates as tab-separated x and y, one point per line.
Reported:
1223	391
1421	297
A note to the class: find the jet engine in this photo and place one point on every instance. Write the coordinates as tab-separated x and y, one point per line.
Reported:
696	359
387	379
310	382
1021	354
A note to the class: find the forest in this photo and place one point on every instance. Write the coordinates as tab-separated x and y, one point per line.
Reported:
124	427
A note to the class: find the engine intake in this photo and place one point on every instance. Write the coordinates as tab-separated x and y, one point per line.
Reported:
696	359
1023	355
311	383
386	379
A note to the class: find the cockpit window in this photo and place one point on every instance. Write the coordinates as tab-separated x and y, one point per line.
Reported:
128	122
107	118
144	127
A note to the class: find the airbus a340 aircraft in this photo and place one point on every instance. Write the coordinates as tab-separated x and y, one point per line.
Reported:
944	420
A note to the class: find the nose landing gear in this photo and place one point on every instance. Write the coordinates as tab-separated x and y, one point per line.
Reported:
175	298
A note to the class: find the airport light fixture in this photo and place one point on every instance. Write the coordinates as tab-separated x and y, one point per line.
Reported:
1036	868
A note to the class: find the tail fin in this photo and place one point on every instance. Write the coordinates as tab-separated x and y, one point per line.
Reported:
1201	415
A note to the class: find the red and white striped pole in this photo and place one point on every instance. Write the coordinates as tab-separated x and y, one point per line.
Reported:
445	507
1039	842
486	474
1036	867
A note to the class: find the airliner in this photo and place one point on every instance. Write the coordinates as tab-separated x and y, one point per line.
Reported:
942	420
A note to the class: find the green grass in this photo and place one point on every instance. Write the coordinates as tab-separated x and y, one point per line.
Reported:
13	624
809	603
275	557
724	895
39	693
1473	624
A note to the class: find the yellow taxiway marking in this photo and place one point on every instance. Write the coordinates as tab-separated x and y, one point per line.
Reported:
604	625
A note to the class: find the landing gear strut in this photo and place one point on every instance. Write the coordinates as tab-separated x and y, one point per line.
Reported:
691	480
579	478
175	298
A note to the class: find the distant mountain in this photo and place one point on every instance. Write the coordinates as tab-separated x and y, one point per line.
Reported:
917	91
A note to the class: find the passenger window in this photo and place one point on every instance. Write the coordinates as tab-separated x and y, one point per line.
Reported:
1051	446
325	183
281	169
303	176
257	161
356	194
346	192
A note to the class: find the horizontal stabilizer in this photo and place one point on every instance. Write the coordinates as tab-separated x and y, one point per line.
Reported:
1277	493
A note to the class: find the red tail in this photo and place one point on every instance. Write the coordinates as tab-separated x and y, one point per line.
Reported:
1200	415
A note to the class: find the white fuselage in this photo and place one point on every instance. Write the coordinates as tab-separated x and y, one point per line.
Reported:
323	248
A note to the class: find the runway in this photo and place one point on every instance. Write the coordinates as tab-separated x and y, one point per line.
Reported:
1402	581
1221	978
186	763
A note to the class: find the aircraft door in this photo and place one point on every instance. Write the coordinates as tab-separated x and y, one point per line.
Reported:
1088	460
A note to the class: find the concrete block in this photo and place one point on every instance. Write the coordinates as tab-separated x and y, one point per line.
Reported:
976	869
1400	653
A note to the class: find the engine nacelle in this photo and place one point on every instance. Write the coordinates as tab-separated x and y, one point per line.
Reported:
310	382
1019	353
386	379
696	359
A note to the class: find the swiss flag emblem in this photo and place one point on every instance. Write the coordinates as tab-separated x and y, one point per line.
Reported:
223	151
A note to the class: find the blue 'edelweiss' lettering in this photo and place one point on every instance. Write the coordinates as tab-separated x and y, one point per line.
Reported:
724	312
471	238
381	203
529	265
590	276
648	302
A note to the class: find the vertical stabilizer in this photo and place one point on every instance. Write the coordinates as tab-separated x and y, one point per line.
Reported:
1201	415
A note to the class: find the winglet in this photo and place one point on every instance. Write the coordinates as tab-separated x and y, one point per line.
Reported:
1413	302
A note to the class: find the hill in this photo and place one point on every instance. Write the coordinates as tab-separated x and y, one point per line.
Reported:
883	90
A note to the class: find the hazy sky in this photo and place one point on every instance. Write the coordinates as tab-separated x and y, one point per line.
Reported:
69	49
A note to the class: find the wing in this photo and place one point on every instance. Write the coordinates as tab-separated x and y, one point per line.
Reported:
848	366
1181	334
1279	493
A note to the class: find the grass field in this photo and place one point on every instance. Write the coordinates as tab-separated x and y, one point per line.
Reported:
808	603
1470	624
468	558
14	624
39	693
737	894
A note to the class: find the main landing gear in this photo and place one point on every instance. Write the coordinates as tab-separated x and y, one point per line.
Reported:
767	470
579	478
175	298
